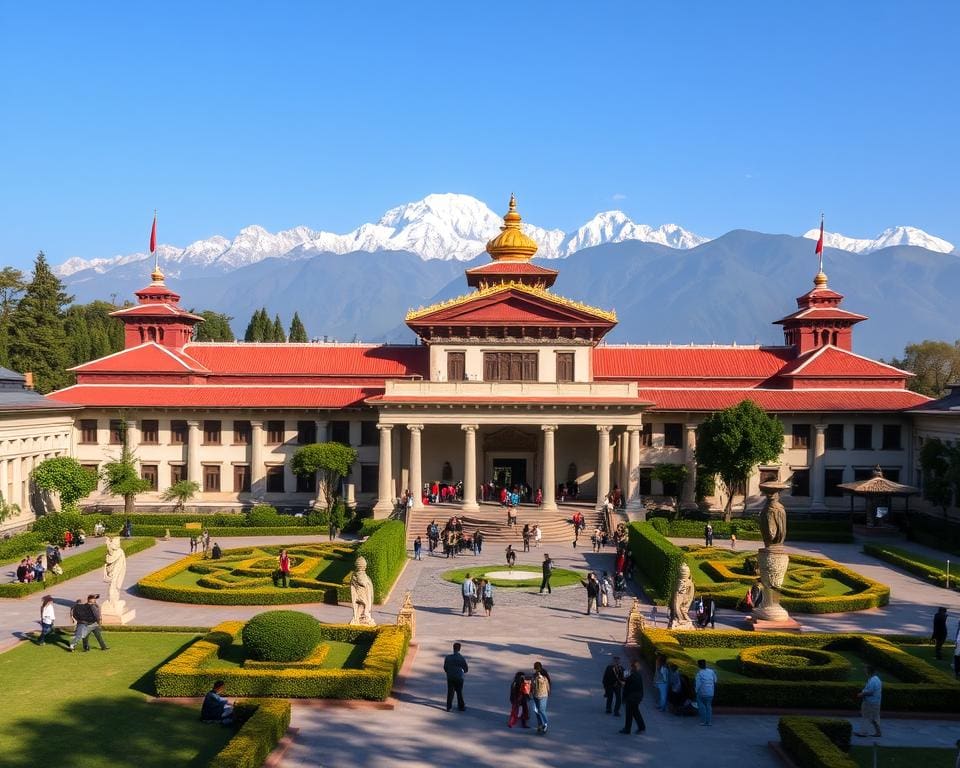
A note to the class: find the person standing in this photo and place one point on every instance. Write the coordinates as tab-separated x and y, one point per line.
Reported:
284	564
940	630
870	698
47	618
613	685
705	685
526	537
417	549
540	687
487	596
733	541
606	589
455	667
478	542
511	555
708	535
619	587
469	591
519	696
633	695
661	678
547	573
537	535
593	593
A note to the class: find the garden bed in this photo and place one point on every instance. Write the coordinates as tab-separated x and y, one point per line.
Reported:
931	570
561	577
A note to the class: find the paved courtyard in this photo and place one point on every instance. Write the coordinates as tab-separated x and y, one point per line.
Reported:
525	627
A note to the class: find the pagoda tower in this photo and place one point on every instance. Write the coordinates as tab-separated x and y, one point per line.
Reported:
157	317
819	320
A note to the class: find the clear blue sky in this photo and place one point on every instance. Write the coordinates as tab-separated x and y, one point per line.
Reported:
712	115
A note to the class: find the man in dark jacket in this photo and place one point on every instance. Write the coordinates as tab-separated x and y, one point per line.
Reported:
633	695
87	616
547	573
940	630
613	685
455	667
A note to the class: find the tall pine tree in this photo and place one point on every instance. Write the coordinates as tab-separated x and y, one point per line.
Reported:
38	340
259	328
298	334
11	286
278	333
215	327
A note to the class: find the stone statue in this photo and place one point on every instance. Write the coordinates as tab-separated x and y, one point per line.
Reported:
114	569
407	615
772	558
773	518
682	599
361	595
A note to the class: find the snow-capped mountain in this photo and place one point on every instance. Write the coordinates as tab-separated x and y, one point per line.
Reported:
441	226
887	238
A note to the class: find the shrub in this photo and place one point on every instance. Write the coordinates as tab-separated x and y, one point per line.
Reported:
784	662
266	721
281	636
656	557
661	526
813	742
386	554
53	527
20	545
912	563
263	515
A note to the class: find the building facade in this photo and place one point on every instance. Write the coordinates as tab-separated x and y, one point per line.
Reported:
509	383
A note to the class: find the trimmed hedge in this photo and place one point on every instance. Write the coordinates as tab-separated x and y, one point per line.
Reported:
20	545
924	688
217	523
912	563
386	555
186	533
267	721
192	672
785	662
656	557
281	636
748	529
75	565
815	742
934	532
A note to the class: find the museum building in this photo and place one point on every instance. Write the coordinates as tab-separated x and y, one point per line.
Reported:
509	383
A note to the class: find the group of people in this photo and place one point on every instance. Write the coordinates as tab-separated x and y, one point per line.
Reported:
604	592
940	637
681	696
34	569
475	591
529	534
452	538
201	543
619	689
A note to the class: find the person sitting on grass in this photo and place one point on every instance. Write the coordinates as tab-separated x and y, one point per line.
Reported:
216	708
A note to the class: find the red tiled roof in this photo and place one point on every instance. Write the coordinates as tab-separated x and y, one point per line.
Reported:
149	357
154	310
311	359
821	313
688	362
783	399
212	396
507	400
833	362
511	268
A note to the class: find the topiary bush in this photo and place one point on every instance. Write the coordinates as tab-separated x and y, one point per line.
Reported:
784	662
281	636
263	515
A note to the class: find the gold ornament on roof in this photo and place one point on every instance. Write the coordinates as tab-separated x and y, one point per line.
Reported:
512	244
156	276
820	281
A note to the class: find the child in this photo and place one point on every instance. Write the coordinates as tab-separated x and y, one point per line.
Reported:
733	541
417	548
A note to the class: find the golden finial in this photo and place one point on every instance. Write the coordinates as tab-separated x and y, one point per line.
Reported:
820	281
156	275
512	244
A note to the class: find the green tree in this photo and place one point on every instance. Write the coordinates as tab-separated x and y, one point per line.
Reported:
935	364
181	493
65	476
298	334
731	442
278	333
38	340
11	286
330	462
672	474
7	510
92	332
259	328
215	327
940	465
122	476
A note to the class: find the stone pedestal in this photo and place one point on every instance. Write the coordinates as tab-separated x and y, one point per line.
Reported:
773	562
116	613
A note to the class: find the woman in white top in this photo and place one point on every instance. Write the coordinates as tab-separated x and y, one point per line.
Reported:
47	618
537	534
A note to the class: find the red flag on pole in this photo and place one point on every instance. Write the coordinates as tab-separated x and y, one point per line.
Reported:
819	250
153	234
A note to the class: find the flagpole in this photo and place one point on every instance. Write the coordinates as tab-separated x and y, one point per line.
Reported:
821	242
156	251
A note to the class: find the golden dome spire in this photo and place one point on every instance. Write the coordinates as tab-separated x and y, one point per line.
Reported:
511	244
820	281
156	276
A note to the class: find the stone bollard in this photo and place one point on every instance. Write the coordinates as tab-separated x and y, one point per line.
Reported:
635	622
407	616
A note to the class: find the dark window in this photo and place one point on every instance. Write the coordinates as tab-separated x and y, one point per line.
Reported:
178	473
891	437
211	436
510	366
564	366
275	432
863	437
369	478
862	473
456	366
211	477
671	488
274	479
892	474
149	432
369	434
306	483
833	478
769	475
306	432
673	435
646	437
242	433
241	478
800	482
645	481
178	433
833	437
340	432
116	431
88	431
801	436
149	473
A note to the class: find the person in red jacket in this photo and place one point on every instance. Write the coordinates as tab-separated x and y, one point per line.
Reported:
284	567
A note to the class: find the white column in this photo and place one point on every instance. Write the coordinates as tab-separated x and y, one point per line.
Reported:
322	429
193	453
416	470
470	468
818	472
16	490
689	499
258	471
633	462
4	488
623	459
384	505
603	465
549	468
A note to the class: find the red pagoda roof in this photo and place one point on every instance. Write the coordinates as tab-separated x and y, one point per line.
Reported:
149	357
213	396
522	271
154	310
833	362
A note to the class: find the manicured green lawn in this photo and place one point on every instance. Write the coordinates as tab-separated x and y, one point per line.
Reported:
90	710
728	666
561	576
904	757
340	656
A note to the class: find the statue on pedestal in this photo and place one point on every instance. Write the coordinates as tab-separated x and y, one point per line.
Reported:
407	616
682	599
114	572
361	595
772	558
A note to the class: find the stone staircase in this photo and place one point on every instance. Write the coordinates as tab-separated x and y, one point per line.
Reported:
492	520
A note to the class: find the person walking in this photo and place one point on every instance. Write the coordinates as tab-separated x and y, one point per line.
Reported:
540	688
487	595
526	537
87	616
613	685
870	698
661	678
606	590
940	630
519	697
469	591
47	618
511	555
633	695
537	535
547	573
619	587
705	685
284	566
417	549
455	667
733	541
708	535
593	593
478	542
